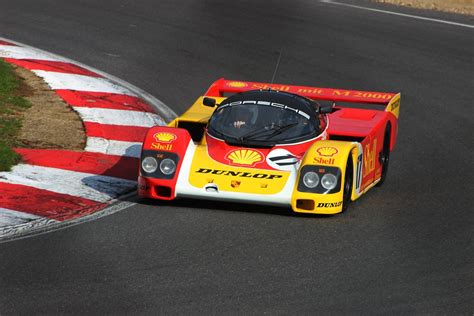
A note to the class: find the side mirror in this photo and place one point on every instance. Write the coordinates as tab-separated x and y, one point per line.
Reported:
326	109
210	102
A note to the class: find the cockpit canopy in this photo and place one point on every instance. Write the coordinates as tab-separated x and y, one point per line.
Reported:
265	117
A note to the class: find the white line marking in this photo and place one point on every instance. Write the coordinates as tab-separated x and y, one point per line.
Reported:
119	117
13	218
44	225
113	147
85	185
57	80
399	14
17	52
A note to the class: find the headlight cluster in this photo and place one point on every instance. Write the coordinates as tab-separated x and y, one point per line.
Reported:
311	179
159	164
149	164
319	179
167	166
329	181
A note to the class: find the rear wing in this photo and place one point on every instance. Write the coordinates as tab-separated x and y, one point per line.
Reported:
391	101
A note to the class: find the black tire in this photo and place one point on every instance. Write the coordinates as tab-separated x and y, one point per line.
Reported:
384	156
348	177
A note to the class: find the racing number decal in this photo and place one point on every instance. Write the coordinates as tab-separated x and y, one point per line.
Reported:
359	173
369	158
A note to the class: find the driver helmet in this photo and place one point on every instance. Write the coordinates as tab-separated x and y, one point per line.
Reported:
246	114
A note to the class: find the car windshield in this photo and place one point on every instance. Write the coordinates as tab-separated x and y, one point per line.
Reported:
265	124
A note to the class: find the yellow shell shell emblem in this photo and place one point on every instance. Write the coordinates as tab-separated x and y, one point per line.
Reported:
245	157
236	84
327	151
164	137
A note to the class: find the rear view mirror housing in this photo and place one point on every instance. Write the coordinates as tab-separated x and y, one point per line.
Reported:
210	102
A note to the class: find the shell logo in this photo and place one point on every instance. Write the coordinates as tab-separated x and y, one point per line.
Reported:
164	137
236	84
245	157
327	151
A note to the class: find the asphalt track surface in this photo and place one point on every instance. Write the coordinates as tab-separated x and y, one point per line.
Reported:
406	247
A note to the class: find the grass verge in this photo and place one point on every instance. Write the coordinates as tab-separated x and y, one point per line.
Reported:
454	6
12	106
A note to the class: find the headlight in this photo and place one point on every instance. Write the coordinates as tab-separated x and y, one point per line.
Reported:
311	179
167	166
149	164
329	181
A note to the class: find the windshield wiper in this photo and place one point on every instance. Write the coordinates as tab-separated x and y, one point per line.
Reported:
274	130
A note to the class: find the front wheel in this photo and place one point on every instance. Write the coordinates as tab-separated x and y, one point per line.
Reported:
346	197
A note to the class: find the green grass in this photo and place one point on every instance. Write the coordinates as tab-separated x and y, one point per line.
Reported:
12	104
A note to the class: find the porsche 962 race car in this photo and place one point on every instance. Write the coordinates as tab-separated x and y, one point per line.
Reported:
273	144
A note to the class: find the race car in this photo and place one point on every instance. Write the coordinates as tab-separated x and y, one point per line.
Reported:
312	149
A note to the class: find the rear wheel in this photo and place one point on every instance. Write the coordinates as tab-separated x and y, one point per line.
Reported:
384	156
346	197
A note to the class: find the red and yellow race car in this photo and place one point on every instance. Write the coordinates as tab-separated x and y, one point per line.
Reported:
313	149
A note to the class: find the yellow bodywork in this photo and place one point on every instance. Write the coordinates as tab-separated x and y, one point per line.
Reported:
205	171
394	105
305	202
197	113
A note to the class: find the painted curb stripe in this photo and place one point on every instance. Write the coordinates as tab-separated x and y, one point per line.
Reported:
113	147
6	43
104	100
86	162
115	132
57	80
54	66
119	117
18	52
64	184
84	185
14	218
45	203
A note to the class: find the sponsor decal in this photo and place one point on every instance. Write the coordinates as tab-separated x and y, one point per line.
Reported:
240	174
159	146
324	161
327	151
309	90
235	184
369	158
164	137
395	105
273	87
362	94
336	204
237	84
282	159
247	157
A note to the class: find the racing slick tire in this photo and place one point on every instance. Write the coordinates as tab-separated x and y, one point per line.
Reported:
384	156
348	177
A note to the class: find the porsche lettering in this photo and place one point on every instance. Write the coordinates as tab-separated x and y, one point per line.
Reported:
238	174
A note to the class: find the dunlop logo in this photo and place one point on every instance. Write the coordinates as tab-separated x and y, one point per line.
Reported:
240	174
